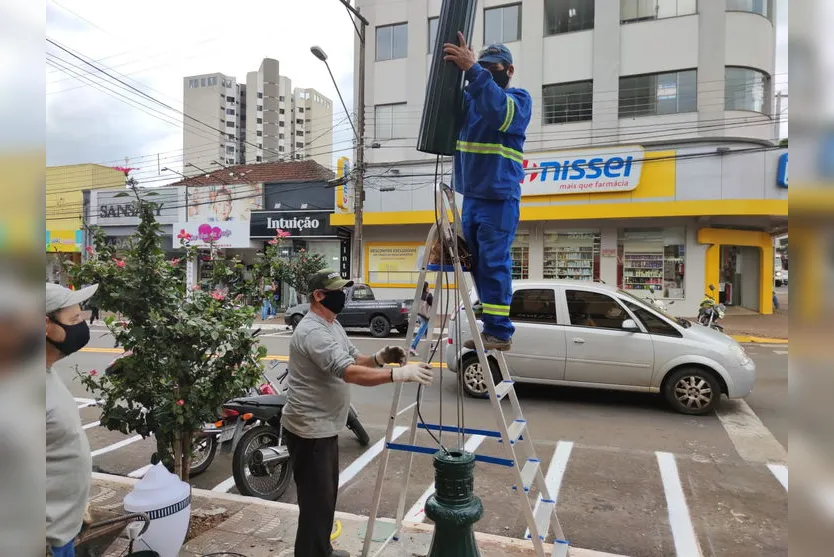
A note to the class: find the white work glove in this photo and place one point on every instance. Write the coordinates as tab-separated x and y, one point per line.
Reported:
390	355
413	373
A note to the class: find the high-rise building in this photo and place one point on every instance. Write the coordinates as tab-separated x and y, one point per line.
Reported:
262	120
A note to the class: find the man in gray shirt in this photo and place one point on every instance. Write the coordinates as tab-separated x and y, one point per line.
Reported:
322	363
69	465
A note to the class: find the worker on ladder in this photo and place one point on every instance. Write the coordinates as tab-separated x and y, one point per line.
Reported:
488	173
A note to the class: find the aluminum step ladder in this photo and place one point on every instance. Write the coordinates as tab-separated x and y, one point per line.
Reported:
512	433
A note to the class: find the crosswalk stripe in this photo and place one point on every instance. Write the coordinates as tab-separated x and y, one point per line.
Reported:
554	475
91	425
780	471
114	446
752	440
140	473
225	485
365	458
417	513
781	352
683	532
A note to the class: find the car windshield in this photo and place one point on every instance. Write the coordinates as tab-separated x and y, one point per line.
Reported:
643	303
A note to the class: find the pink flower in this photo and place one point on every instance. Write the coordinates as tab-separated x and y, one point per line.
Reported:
183	235
175	260
195	287
119	263
218	295
302	250
93	372
282	234
90	250
273	242
180	402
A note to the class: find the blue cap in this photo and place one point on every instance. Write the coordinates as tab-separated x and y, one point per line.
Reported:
496	54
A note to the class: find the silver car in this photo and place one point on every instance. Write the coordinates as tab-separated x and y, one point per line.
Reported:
594	335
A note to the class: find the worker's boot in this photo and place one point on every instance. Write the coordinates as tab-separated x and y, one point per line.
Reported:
490	343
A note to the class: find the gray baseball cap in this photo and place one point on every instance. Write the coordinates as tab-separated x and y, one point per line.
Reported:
60	297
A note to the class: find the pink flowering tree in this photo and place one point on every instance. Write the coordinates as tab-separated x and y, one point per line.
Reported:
189	351
295	270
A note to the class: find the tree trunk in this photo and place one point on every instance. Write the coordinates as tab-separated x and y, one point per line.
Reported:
178	453
187	447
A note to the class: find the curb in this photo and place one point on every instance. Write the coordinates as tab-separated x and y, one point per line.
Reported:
758	340
514	545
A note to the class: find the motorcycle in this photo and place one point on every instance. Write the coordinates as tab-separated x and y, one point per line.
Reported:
657	302
710	312
260	460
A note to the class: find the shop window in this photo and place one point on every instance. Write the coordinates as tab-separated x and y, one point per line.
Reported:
565	16
391	42
593	309
745	89
646	10
653	258
534	305
568	102
433	23
571	255
654	324
753	6
657	94
520	255
502	24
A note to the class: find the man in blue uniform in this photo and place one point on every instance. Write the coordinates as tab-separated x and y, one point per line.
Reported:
488	173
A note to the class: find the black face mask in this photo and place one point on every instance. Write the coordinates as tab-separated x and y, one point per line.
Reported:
501	77
77	337
334	300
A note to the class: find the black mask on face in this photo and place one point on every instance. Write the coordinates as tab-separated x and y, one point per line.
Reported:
501	77
334	300
77	337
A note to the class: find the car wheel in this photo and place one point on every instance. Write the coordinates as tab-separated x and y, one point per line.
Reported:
778	284
380	326
296	319
692	391
474	382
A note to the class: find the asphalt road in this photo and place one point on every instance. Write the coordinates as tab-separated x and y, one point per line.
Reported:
630	476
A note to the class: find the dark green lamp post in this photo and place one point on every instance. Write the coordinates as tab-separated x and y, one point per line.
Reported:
453	507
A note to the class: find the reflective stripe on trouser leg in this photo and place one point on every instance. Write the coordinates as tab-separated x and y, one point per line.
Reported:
489	228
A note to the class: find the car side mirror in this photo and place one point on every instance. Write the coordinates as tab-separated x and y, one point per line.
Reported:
630	325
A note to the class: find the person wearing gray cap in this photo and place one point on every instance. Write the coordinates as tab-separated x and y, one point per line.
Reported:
321	365
69	465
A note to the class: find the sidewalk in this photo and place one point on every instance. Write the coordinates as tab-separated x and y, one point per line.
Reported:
257	528
757	326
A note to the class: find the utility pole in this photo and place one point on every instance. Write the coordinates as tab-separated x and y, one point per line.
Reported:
359	184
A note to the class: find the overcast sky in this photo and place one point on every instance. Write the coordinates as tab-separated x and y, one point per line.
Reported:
153	44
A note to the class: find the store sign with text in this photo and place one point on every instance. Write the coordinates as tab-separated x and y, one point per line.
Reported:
232	234
782	172
121	208
616	169
299	224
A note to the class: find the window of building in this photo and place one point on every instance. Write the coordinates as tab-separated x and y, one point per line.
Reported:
193	83
280	136
568	102
652	259
259	133
280	111
565	16
646	10
746	89
434	22
259	158
212	81
230	99
259	108
502	24
391	42
654	324
230	150
299	145
260	95
202	82
655	94
390	121
594	309
299	120
230	111
520	255
260	145
259	121
298	156
754	6
572	255
281	124
231	136
299	133
281	149
230	124
280	98
534	305
301	110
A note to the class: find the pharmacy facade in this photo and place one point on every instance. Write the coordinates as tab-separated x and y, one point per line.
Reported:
674	218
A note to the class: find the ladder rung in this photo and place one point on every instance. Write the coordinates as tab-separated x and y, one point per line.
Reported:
406	409
542	517
528	473
503	388
467	430
516	430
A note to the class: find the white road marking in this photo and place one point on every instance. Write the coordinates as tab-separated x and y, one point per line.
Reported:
365	458
85	402
554	475
780	352
752	440
114	446
91	425
780	471
417	513
140	473
683	533
225	485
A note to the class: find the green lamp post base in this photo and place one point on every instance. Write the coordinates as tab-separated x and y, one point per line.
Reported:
453	507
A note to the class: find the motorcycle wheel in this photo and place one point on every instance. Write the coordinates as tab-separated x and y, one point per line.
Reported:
356	427
269	487
202	454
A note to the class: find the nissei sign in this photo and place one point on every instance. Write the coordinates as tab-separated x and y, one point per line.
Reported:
782	172
300	224
587	171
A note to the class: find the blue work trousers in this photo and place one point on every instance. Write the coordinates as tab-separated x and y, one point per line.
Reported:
489	228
